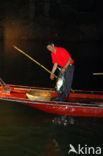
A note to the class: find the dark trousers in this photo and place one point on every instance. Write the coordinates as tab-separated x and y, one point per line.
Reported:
68	78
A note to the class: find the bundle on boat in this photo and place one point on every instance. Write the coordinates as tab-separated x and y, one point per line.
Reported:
39	95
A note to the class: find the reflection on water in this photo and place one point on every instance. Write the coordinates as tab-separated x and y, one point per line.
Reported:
63	120
28	132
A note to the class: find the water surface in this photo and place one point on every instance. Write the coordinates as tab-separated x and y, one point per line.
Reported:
26	131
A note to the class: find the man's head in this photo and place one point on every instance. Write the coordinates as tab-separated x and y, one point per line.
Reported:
51	47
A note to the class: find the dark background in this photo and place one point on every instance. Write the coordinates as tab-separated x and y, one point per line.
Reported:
29	24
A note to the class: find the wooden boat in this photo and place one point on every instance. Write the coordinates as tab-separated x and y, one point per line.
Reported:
79	102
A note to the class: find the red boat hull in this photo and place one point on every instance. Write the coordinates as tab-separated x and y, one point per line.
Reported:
79	103
69	110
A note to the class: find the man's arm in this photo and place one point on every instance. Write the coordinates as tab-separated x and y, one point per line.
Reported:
54	68
67	64
53	71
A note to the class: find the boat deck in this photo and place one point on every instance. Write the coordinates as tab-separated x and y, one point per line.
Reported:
78	96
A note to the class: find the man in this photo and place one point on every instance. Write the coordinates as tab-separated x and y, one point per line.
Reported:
61	57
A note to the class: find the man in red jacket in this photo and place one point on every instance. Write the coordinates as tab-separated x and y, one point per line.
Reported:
61	57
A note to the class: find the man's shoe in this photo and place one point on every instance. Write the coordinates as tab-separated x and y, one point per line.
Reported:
58	98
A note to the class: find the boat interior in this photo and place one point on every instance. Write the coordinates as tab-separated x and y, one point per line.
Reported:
46	94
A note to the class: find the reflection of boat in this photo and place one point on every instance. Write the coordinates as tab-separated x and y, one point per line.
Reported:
79	103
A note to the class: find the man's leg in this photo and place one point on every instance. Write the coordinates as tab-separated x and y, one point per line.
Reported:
68	80
68	76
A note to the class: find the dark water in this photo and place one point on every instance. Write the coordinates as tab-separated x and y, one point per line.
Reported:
28	132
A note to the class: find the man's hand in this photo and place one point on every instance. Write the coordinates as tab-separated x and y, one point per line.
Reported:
52	76
63	69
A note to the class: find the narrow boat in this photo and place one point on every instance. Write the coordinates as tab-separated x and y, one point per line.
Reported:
79	102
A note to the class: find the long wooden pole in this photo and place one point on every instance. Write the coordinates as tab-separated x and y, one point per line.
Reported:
97	73
21	51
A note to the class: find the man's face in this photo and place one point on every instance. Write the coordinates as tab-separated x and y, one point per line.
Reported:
50	48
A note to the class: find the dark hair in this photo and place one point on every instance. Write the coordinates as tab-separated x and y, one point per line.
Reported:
49	43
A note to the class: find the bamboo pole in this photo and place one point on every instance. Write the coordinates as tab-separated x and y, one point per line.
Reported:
21	51
97	73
